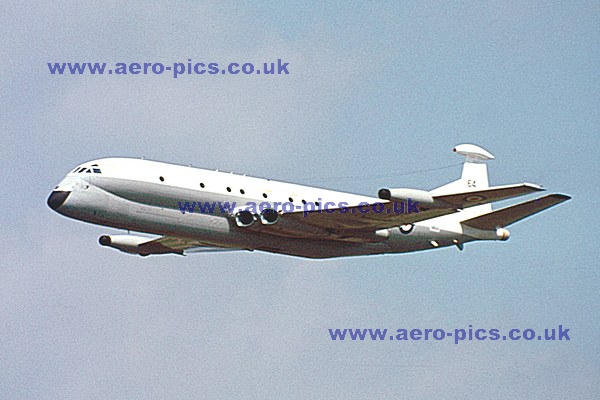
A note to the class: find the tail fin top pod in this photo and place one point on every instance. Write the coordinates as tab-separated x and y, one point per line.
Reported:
473	153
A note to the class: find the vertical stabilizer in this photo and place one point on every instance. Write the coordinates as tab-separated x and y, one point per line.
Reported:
474	174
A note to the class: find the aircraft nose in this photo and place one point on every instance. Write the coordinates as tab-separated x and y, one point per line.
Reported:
57	198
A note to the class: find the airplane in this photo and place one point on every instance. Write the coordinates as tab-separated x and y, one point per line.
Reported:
251	213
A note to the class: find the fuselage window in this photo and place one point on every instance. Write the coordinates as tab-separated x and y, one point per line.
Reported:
202	185
242	191
291	200
228	189
162	179
265	195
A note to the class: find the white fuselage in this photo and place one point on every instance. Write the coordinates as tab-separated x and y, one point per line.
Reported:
146	196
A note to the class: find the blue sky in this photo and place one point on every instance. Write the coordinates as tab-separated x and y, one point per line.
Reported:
377	95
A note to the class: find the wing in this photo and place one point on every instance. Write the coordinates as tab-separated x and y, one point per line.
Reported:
360	223
509	215
177	245
391	213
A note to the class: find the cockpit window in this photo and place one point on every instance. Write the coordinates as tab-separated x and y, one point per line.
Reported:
95	169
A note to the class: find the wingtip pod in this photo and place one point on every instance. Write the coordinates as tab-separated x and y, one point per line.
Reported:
473	152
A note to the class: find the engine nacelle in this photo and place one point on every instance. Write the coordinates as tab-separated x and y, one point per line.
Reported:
268	216
126	243
502	234
402	195
244	218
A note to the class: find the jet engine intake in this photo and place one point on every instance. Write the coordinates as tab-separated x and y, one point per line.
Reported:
268	216
244	218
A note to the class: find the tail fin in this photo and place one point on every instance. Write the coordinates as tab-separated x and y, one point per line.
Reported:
474	174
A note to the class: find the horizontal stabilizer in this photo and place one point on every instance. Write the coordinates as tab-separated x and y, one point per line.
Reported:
489	195
509	215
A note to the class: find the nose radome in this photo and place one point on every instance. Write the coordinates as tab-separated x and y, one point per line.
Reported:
57	198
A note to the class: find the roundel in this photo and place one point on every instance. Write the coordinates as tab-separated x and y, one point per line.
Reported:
407	228
474	198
